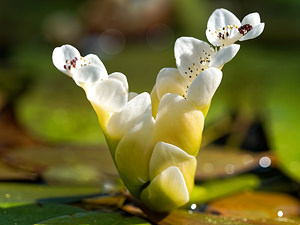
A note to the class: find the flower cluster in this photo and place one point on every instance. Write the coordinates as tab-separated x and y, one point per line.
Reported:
154	138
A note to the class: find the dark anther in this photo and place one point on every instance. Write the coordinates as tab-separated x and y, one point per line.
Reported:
245	29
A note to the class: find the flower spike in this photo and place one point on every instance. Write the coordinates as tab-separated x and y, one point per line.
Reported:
154	139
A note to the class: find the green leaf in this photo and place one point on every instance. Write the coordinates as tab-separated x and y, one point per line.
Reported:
96	218
12	194
219	188
33	213
284	117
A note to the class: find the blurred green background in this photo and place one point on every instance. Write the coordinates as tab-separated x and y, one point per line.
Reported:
137	38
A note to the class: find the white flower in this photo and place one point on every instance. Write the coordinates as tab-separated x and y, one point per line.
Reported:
224	28
194	56
108	93
68	60
198	74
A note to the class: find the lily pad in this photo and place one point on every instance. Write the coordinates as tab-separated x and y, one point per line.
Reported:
257	205
33	213
13	194
214	189
65	165
96	218
82	175
11	173
192	218
222	162
195	218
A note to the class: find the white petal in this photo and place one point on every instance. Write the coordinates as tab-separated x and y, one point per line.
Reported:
89	74
132	95
124	120
219	18
121	77
204	86
60	56
167	191
94	60
224	55
169	80
108	95
256	31
133	154
165	155
188	51
253	19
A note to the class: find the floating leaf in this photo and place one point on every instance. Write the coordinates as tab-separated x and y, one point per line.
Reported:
192	218
65	165
12	194
10	173
96	218
214	189
33	213
220	162
40	158
195	218
257	205
84	175
110	200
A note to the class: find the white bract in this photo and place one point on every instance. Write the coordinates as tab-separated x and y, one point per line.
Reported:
155	138
224	28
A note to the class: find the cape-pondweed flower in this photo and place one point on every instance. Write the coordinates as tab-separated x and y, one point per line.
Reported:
224	28
192	57
154	139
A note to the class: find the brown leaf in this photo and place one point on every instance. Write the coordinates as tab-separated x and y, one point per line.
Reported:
92	166
11	173
221	162
257	205
39	159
